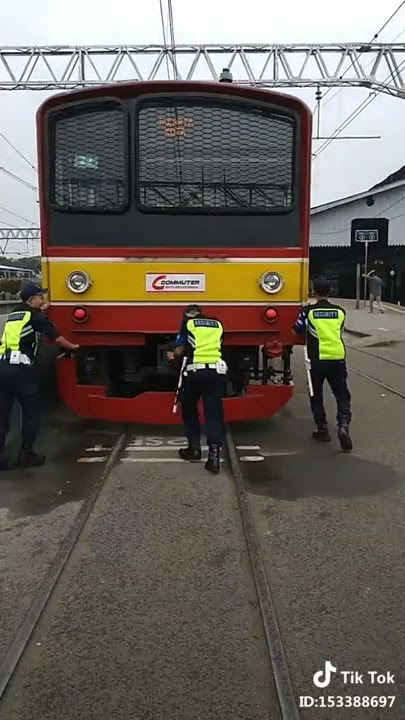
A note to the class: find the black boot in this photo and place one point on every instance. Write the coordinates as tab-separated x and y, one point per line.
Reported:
322	434
192	452
5	464
213	463
344	438
28	458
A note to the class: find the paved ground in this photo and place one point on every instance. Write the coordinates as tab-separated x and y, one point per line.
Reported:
156	617
37	507
156	614
374	327
331	530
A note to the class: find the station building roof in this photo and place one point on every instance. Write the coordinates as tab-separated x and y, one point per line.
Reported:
375	190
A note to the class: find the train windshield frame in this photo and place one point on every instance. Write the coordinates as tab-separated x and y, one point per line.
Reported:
214	155
132	171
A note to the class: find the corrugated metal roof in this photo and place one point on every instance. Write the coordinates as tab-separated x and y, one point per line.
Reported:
394	177
352	198
13	267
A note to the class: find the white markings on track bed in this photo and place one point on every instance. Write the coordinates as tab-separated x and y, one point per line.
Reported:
155	446
155	460
96	459
251	458
248	447
165	448
261	454
152	443
98	448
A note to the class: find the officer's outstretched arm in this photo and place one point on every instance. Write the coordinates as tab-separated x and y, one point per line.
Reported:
45	327
65	344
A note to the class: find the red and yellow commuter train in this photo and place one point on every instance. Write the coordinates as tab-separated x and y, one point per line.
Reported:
155	195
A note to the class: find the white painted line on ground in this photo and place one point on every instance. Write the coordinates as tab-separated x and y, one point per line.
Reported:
385	329
248	447
395	309
97	459
280	454
141	448
98	448
251	458
154	460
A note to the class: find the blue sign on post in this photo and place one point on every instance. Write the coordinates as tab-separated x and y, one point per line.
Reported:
366	236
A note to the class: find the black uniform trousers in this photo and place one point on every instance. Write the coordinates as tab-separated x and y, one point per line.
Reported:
17	382
208	385
335	372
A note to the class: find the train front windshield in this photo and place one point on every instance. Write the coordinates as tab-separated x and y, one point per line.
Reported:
214	158
201	171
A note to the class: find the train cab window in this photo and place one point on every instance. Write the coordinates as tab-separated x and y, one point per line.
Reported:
214	156
88	158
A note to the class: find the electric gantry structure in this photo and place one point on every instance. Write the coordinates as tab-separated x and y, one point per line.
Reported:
378	67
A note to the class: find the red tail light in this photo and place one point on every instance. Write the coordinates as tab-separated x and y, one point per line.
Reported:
273	349
270	314
79	314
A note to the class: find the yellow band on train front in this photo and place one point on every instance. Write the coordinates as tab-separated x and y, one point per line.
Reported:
157	281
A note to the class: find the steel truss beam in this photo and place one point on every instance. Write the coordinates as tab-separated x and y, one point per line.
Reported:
19	233
12	234
379	66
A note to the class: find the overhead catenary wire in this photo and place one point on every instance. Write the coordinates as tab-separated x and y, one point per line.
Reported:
10	212
18	178
338	92
375	36
173	39
165	43
353	115
176	139
18	151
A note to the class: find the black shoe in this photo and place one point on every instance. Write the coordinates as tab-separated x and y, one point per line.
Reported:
29	458
213	464
5	464
322	434
344	438
192	453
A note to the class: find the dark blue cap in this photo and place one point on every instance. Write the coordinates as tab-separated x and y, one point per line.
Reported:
29	289
322	286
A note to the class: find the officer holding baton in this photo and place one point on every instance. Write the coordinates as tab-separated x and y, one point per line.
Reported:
200	340
323	324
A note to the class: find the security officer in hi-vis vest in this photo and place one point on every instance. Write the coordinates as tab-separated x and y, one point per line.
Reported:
323	323
200	339
18	348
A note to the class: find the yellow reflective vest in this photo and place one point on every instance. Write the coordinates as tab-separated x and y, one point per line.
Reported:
204	336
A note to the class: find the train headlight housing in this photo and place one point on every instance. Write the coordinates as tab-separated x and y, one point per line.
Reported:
271	282
78	281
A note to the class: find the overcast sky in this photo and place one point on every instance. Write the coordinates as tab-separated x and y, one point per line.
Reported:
345	167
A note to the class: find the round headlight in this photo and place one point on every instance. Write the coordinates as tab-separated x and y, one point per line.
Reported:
271	282
78	281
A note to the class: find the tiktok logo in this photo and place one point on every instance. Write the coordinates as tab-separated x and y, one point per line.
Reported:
323	678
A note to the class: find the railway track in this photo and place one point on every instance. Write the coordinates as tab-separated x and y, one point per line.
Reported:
282	677
287	705
371	354
380	359
23	635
